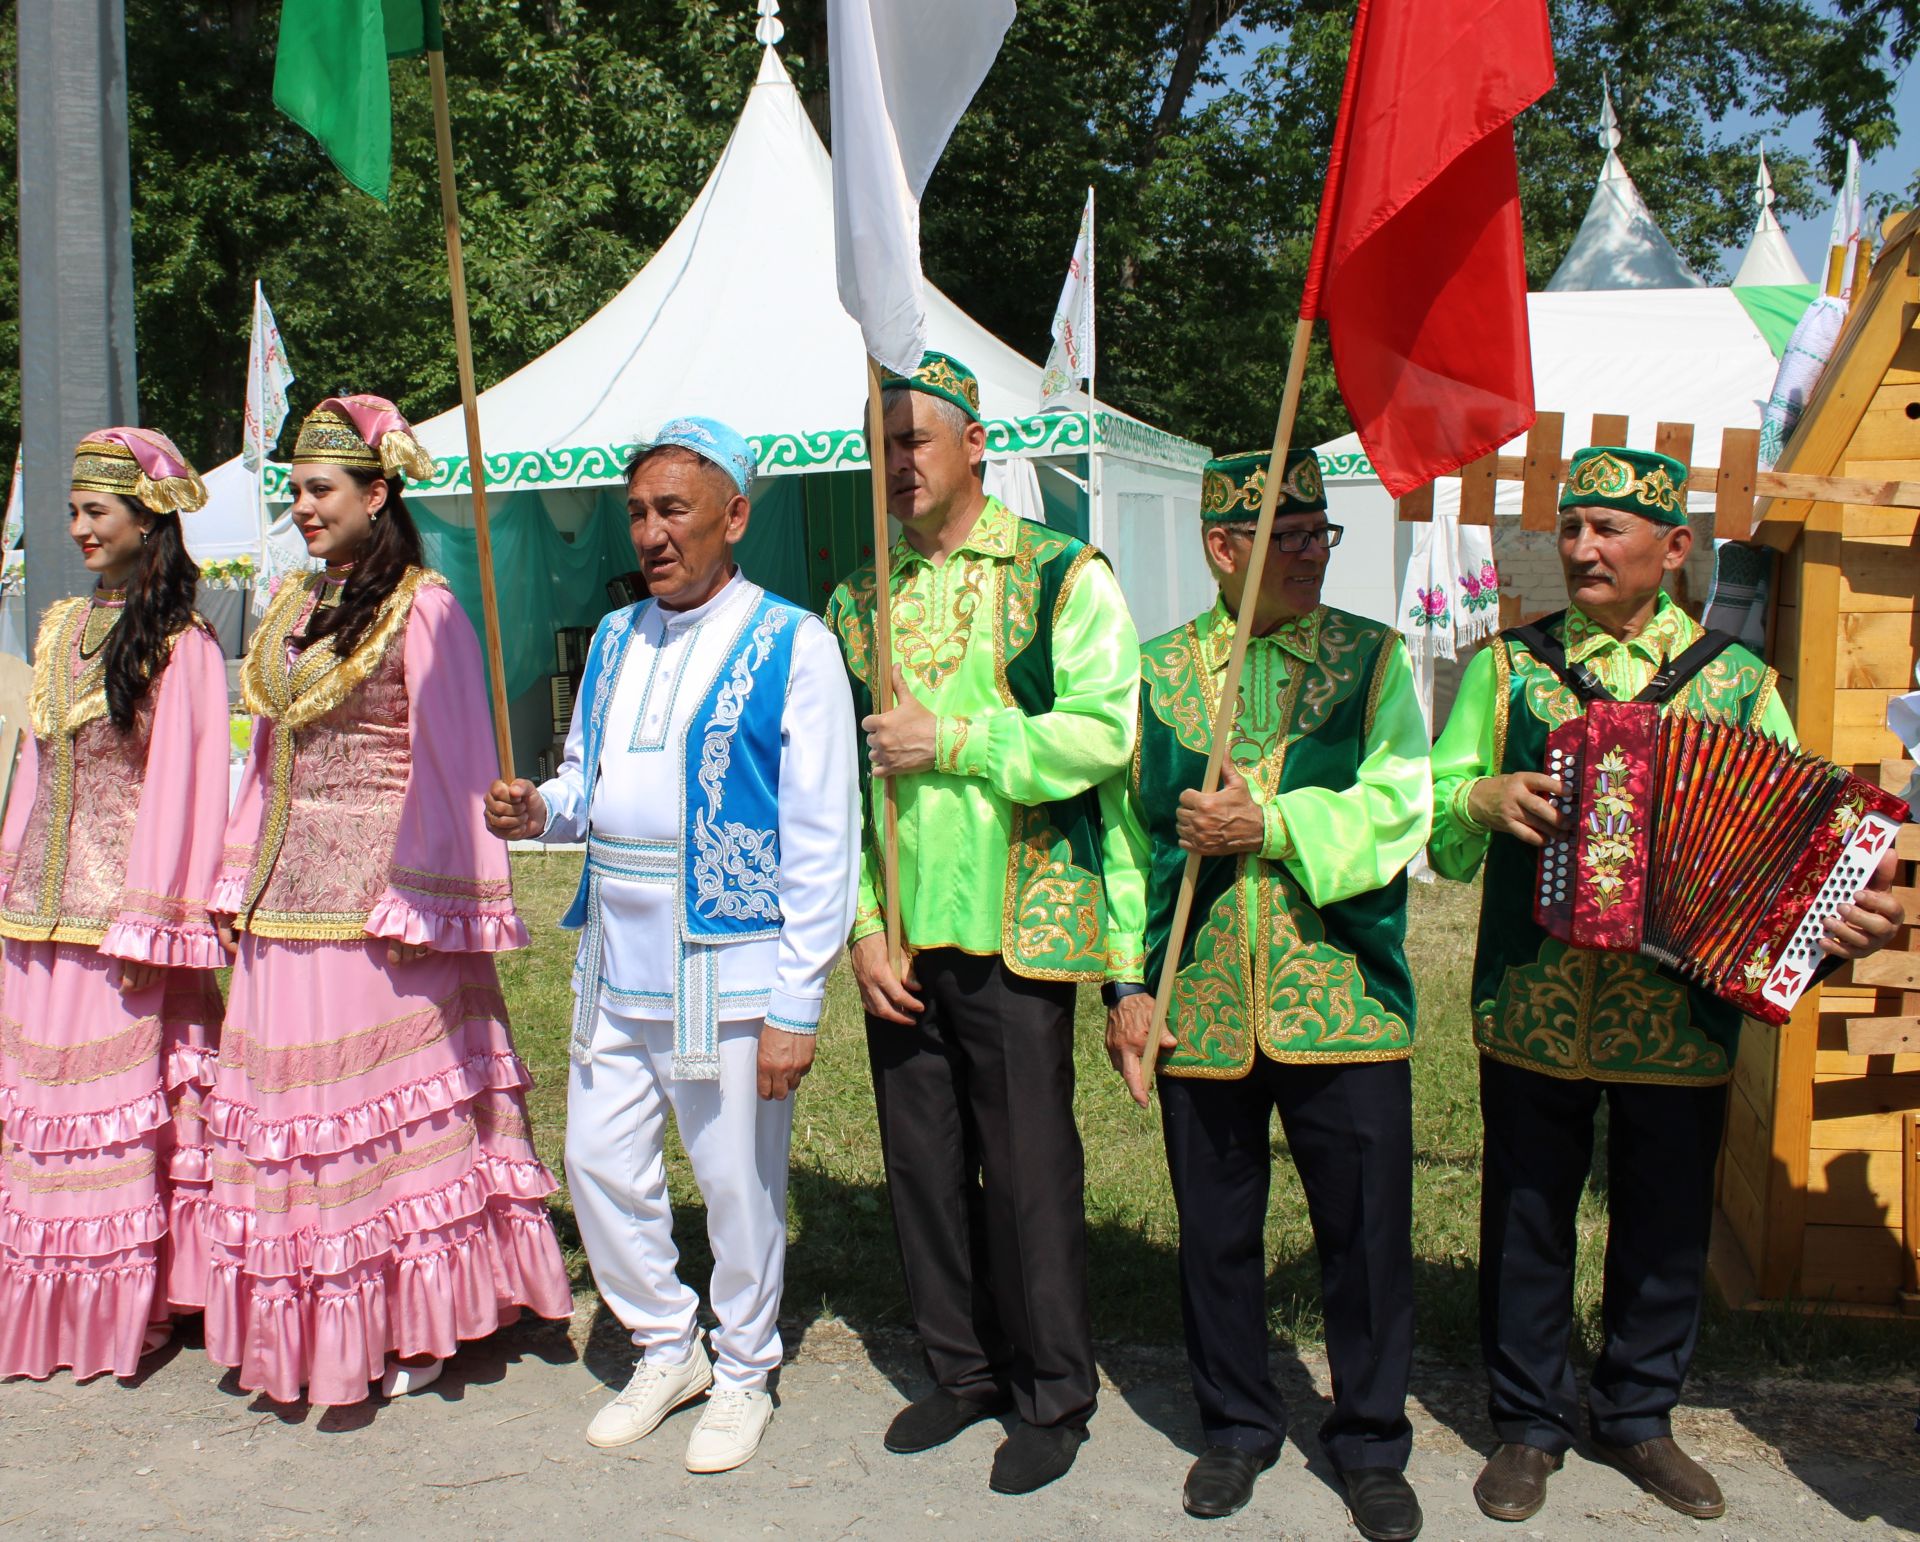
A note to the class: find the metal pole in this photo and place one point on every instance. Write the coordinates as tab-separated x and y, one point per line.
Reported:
77	368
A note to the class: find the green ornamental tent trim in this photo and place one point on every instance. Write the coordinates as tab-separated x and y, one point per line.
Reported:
780	454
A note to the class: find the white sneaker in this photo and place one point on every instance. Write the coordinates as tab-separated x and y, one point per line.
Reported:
654	1392
729	1430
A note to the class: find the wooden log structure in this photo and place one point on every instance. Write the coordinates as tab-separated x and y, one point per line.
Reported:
1819	1184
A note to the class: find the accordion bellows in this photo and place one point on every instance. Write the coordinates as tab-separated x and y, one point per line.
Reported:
1716	851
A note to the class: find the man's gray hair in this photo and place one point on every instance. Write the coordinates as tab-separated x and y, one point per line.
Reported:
954	419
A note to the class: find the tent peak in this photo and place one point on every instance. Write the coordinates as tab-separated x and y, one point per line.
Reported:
770	28
1769	259
1620	245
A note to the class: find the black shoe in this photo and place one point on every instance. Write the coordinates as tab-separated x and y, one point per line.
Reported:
1222	1480
1382	1503
1513	1484
1034	1455
935	1420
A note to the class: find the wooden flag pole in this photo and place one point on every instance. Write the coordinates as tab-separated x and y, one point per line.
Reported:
883	660
1223	717
470	405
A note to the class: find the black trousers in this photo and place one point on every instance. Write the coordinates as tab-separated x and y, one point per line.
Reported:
1350	1129
987	1180
1662	1143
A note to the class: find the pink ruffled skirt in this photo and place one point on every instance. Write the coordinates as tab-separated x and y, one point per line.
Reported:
375	1187
103	1157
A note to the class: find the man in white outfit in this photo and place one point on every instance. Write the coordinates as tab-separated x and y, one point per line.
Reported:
710	769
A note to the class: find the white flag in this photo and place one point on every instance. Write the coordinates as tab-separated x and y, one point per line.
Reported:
268	376
903	72
1070	360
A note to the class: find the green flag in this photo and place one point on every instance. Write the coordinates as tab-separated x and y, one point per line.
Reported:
330	76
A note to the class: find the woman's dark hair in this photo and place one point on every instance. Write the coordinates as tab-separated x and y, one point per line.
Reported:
393	547
159	603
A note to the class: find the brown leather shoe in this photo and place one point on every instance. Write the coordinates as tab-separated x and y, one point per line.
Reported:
1513	1484
1669	1474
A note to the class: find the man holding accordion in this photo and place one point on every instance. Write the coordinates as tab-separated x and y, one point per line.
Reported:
1560	1028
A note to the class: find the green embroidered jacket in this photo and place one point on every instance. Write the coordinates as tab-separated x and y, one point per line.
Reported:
1296	952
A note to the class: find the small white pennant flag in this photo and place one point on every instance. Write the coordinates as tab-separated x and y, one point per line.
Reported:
268	376
1070	360
903	72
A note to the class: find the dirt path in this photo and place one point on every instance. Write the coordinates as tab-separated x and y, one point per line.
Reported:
495	1450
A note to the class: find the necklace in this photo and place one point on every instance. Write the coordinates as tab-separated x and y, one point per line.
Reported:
104	610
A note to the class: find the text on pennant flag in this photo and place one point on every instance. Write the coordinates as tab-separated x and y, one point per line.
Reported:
268	376
1070	359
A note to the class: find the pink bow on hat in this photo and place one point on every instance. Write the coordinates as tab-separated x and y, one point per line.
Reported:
386	432
167	483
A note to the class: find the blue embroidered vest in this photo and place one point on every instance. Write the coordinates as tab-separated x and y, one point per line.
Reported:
729	803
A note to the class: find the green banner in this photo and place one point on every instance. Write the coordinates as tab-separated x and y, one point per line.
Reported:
330	76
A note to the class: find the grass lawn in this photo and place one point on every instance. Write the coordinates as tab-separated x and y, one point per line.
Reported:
843	1262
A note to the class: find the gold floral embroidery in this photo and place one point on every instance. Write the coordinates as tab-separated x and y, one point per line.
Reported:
1052	907
1580	1012
1607	846
1209	1011
1173	691
931	633
1315	999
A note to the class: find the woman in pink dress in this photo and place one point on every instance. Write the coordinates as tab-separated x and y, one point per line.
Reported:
109	1010
376	1197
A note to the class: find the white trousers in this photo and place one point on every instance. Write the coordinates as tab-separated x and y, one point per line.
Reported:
616	1165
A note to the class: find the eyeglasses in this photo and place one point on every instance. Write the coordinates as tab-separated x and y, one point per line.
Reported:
1326	537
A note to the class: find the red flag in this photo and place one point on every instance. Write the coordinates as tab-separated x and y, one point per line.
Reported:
1417	264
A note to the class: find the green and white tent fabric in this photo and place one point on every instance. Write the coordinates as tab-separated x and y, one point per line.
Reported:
737	317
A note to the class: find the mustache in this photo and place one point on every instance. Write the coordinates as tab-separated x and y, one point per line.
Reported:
1590	575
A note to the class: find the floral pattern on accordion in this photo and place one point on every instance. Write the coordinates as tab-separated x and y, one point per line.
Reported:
108	854
1606	847
375	1186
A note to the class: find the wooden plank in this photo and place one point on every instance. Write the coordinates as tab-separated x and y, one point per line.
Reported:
1852	1263
1876	652
1895	970
1476	491
1837	1062
1883	1035
1906	842
1861	744
1813	668
1539	488
1733	484
1910	1200
1854	1188
1786	1175
1676	439
1895	774
1741	1202
1885	428
1609	428
1416	508
1874	576
1879	492
1753	1072
1857	1132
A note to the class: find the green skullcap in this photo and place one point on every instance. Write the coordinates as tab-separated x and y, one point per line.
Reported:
1232	486
941	375
1642	482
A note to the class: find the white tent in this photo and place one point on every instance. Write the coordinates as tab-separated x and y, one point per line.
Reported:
737	316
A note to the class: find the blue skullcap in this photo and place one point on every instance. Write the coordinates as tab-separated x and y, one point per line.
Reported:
711	440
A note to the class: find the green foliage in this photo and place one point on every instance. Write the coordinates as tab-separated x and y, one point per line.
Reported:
584	128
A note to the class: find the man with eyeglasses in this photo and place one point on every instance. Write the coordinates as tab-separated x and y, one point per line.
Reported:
1293	991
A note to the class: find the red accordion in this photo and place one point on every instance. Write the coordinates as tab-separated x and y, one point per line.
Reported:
1716	851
